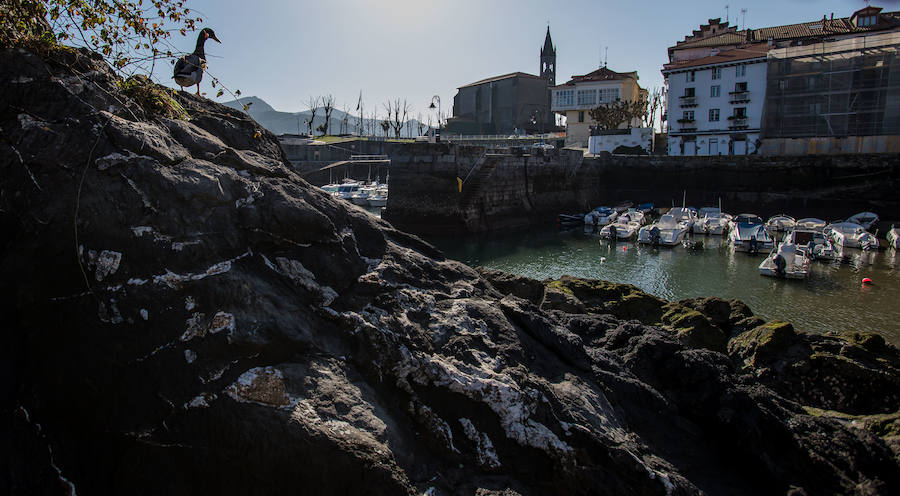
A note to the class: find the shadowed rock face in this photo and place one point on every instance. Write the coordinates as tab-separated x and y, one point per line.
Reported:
187	316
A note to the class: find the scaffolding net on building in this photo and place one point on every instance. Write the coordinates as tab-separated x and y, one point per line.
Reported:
835	88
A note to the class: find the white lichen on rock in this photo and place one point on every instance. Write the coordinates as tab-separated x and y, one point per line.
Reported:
195	327
512	403
174	280
190	356
301	276
116	158
260	385
222	321
189	303
107	263
145	314
485	454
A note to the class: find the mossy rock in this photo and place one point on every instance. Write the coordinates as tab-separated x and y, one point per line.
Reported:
870	341
763	343
885	426
557	298
694	328
153	98
624	301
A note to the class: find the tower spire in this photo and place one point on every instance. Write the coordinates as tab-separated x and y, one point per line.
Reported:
548	59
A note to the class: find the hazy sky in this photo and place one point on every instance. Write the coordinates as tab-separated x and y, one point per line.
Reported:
285	51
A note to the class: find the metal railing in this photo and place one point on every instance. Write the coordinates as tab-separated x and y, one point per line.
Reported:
686	101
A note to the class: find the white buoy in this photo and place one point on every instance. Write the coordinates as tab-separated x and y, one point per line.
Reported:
602	259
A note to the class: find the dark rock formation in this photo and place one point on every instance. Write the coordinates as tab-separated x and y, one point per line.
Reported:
187	316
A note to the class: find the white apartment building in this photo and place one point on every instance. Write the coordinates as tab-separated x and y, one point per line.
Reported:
715	103
578	96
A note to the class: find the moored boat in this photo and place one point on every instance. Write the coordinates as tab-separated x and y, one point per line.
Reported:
780	223
600	216
865	219
813	243
747	233
850	235
893	237
666	232
620	229
787	262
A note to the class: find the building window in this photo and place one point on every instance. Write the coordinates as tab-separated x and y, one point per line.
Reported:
863	21
608	95
740	113
689	92
714	91
713	115
717	73
565	98
740	71
587	97
689	76
688	115
581	116
742	86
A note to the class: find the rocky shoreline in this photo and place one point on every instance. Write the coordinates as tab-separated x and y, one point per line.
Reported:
190	317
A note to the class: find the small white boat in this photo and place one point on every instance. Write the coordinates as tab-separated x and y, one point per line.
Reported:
865	219
747	233
813	243
850	235
620	230
787	262
667	232
715	223
685	216
621	207
780	223
347	190
633	215
600	216
893	237
810	223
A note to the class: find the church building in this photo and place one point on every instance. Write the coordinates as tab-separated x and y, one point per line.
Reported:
508	103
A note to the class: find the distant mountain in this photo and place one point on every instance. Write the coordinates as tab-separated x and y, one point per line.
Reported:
297	122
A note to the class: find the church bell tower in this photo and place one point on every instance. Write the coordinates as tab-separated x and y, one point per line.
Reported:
548	60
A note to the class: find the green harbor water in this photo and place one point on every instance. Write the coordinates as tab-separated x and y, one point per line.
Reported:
832	299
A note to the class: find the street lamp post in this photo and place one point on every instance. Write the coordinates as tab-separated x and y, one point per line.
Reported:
438	98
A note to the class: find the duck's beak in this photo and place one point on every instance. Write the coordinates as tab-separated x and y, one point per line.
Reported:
214	37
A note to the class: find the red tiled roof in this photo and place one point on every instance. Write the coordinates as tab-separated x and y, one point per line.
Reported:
601	74
755	51
821	27
499	78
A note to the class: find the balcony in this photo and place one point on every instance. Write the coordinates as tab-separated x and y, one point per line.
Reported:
685	121
688	101
739	96
737	122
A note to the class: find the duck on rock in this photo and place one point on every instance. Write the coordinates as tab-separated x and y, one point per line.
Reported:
189	68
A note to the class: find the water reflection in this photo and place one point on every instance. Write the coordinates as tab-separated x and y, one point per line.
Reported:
832	298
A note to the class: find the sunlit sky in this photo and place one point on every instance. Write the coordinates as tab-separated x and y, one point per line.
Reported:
285	51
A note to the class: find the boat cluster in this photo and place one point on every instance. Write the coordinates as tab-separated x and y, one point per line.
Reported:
790	244
371	194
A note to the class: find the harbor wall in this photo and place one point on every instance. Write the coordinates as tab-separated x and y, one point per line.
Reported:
518	189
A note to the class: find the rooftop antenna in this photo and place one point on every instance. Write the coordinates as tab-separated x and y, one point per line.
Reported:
606	57
726	14
744	18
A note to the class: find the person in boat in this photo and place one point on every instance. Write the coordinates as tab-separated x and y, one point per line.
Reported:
753	245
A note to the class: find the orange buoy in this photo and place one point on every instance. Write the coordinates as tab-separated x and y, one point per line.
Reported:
866	280
624	247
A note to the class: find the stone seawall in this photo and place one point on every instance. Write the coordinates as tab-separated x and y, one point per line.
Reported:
517	190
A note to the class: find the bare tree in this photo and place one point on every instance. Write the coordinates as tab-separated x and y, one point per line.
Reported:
345	122
313	105
419	123
397	115
654	106
385	127
328	107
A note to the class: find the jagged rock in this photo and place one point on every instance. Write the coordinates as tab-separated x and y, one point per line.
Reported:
186	315
855	373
